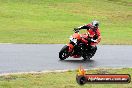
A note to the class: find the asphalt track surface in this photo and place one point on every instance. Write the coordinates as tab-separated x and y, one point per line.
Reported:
42	57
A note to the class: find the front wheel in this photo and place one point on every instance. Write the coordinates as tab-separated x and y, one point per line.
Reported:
63	54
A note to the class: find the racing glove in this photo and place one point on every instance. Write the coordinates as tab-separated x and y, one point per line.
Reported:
76	30
92	40
95	41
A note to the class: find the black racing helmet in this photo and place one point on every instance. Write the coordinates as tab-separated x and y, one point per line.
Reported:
95	23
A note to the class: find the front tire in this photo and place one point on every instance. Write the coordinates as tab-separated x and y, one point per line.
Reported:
63	54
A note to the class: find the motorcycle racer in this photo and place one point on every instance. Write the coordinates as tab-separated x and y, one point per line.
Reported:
93	32
82	45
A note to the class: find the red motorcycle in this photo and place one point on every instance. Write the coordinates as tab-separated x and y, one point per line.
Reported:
78	47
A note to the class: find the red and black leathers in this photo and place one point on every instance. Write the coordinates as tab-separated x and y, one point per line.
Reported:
93	32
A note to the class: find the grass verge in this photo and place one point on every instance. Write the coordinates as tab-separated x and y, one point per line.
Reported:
59	79
52	21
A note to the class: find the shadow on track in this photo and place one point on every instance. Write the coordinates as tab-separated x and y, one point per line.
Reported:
78	61
86	64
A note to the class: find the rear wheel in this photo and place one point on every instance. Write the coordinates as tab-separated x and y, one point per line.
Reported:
90	54
63	54
86	57
93	51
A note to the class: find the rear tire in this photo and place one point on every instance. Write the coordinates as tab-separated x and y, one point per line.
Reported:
63	54
86	57
93	51
90	54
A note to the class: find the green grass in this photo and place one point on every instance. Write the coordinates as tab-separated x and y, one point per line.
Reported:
52	21
59	80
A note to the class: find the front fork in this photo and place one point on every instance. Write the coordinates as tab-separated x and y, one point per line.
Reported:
70	47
